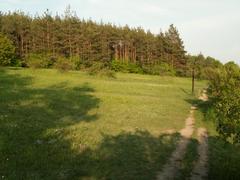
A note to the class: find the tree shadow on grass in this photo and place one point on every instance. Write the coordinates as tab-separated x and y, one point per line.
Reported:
136	155
34	142
34	133
32	126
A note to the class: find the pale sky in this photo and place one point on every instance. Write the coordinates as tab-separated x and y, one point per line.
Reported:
208	26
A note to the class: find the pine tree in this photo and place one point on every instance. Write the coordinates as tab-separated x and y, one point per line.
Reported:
175	49
69	36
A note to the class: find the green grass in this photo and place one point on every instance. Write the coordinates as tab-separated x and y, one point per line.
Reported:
74	126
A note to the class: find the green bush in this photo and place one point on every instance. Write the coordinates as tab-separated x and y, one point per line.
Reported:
34	61
180	71
107	73
224	88
126	67
7	51
134	68
96	68
101	69
18	63
77	63
161	69
63	64
117	66
40	60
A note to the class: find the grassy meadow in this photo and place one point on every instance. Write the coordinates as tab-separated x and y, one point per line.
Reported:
72	125
75	126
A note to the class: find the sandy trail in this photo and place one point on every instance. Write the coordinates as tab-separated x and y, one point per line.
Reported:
171	169
203	96
200	170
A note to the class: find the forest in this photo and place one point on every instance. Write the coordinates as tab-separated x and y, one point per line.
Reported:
69	42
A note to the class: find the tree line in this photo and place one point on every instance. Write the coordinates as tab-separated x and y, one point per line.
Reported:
69	36
85	43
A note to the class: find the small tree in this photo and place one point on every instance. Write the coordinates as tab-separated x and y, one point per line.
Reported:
7	51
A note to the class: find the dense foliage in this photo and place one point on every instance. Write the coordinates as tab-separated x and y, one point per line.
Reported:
203	66
85	43
7	51
225	89
69	36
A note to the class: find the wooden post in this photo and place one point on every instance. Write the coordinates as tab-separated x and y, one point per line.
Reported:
193	79
193	76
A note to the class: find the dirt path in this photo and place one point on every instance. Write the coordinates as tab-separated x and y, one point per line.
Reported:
200	169
203	96
171	169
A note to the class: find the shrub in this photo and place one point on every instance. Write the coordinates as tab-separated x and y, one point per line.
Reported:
161	69
99	68
125	67
180	71
7	51
228	115
107	73
63	64
34	61
95	68
76	62
134	68
18	63
40	60
224	88
117	66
